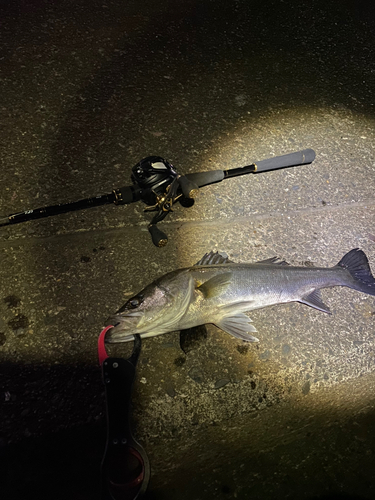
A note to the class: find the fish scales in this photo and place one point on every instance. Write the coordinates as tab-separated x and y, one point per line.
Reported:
264	285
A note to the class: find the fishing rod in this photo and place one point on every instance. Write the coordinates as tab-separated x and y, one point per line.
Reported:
157	183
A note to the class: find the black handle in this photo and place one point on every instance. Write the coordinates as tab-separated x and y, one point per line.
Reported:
289	160
125	466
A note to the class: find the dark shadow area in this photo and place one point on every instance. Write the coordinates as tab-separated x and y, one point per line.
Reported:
338	496
42	400
53	436
52	431
61	465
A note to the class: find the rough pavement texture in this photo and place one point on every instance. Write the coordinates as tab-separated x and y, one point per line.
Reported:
90	88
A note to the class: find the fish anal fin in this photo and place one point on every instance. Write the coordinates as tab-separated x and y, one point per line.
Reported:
215	286
239	326
314	300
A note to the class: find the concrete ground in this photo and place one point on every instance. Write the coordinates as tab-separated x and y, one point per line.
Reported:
88	89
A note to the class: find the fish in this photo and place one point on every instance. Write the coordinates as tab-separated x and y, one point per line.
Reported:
219	291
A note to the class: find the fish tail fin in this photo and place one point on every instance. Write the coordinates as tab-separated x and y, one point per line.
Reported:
358	266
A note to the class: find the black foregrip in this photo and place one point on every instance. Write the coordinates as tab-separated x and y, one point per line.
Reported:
127	194
290	160
188	187
204	178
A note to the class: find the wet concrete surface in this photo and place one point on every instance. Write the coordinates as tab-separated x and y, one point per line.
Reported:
88	90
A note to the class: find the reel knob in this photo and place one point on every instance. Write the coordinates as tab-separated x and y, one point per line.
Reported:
159	239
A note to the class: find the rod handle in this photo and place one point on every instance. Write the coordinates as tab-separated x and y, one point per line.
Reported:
204	178
188	186
289	160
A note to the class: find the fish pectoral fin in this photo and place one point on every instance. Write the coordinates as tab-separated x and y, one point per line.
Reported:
215	286
238	326
314	299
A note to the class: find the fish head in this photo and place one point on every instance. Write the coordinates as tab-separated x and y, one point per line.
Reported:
153	311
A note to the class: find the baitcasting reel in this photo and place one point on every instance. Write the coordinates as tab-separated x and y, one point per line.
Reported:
158	184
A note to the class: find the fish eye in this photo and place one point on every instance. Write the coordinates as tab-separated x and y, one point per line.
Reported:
135	302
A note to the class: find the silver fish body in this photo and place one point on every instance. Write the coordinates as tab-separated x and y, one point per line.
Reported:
218	291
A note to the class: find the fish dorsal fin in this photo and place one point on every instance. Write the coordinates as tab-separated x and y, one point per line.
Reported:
273	260
314	300
211	258
215	286
238	325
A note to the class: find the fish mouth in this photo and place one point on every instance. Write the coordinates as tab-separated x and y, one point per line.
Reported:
115	336
124	328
